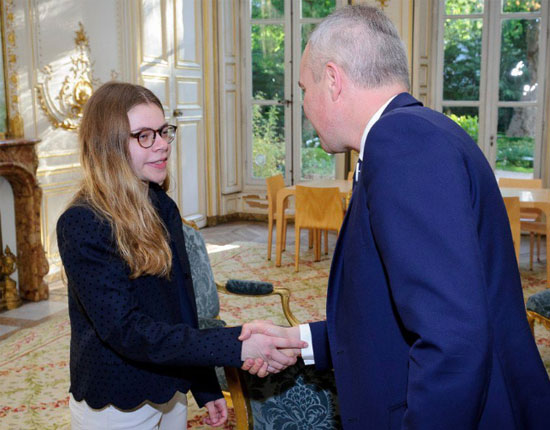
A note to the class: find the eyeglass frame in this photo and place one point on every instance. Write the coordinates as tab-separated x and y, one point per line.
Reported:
158	131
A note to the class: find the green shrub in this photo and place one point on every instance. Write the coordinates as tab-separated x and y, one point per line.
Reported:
468	123
515	152
317	163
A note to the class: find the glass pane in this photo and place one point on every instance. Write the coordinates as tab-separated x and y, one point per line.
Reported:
463	7
268	65
268	141
267	9
466	117
317	8
519	57
520	5
315	162
462	62
516	139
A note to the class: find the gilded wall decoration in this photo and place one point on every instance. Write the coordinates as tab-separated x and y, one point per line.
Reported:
382	3
65	110
18	164
15	121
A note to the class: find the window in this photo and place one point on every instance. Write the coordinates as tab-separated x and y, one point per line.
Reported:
491	69
279	138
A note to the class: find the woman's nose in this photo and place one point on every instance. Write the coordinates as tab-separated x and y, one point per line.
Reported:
160	143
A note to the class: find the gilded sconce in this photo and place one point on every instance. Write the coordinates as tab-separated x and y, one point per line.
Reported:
75	90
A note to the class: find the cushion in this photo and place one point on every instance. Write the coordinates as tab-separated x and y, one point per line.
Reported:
206	294
540	303
211	323
251	288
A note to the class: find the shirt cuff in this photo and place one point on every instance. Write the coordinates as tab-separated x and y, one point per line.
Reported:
307	353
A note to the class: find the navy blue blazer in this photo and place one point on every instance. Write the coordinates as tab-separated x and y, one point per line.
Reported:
136	340
426	325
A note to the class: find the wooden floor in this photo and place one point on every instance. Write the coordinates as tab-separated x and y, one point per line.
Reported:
242	231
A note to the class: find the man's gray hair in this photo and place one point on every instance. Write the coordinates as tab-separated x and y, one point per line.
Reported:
364	42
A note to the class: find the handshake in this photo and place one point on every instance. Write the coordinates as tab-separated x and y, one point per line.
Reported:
268	348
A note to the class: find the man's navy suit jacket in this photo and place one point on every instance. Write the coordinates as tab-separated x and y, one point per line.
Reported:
426	326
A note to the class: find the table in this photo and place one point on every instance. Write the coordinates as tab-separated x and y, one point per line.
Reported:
343	184
534	198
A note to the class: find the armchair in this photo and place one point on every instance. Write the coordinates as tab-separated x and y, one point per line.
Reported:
298	396
538	309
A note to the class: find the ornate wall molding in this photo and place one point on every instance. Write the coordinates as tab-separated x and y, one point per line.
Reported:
15	121
65	110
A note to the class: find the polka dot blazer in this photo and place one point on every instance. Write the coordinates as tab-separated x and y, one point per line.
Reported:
136	340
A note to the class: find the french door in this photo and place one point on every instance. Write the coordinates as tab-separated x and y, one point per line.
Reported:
279	139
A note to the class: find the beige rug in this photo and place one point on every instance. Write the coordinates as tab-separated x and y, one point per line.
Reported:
34	371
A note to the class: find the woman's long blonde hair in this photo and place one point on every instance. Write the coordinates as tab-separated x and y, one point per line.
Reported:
111	187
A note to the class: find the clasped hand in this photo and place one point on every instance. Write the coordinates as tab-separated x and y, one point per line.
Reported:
268	348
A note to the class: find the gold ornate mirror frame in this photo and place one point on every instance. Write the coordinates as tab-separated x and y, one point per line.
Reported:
9	80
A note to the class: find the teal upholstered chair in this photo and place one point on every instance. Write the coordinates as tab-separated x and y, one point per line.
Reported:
538	309
297	398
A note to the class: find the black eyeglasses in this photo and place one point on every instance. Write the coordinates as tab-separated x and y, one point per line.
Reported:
146	136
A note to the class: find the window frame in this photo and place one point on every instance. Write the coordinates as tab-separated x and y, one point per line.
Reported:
293	98
488	103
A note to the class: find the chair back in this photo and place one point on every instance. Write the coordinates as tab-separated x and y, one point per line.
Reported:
206	293
274	184
519	183
513	211
350	175
319	208
300	397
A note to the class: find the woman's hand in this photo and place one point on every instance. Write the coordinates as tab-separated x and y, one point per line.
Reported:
217	412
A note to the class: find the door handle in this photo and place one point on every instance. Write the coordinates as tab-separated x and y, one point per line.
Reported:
177	112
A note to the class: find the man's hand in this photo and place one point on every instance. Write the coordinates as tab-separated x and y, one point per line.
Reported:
270	329
274	351
217	412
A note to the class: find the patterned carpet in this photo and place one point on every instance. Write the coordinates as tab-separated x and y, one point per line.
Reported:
34	361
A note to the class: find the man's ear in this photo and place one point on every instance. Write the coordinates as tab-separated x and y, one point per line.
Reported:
334	80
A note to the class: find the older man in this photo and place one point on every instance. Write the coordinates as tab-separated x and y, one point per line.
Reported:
426	325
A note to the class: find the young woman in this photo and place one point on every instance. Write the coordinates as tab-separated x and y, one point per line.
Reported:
135	346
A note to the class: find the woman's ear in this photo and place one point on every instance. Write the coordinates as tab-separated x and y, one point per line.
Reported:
334	80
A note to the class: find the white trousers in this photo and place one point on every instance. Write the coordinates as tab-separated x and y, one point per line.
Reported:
147	416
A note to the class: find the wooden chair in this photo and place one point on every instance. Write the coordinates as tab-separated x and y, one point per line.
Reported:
274	184
317	209
513	210
531	218
299	397
350	180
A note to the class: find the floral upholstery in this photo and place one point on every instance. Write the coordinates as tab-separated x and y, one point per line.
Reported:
251	288
540	303
206	293
211	323
298	398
